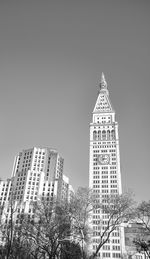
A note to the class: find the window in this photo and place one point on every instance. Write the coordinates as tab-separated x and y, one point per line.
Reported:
112	134
108	134
94	135
99	134
116	255
103	135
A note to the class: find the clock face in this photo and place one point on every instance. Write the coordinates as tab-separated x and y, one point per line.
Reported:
103	159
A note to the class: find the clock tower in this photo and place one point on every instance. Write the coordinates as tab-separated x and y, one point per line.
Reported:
104	167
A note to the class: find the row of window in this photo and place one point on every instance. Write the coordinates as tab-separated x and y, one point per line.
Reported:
39	157
113	163
101	172
6	184
103	135
27	153
105	181
106	190
33	183
102	145
103	176
20	183
21	174
31	197
108	255
26	161
21	179
40	153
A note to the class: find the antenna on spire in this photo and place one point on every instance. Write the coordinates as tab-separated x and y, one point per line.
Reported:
103	83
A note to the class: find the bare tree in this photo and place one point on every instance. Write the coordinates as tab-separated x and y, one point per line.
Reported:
71	250
13	245
62	230
50	226
79	211
118	209
8	226
142	218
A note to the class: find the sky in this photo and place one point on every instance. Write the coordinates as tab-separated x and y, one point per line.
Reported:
52	54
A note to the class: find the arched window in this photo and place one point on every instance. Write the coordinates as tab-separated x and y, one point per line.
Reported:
112	134
108	134
94	135
103	135
99	135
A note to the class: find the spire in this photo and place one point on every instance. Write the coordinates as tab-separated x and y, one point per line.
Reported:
103	103
103	83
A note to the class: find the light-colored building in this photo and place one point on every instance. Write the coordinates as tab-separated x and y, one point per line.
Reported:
134	231
104	169
67	190
37	174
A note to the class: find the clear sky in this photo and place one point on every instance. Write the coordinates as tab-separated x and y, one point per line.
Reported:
52	54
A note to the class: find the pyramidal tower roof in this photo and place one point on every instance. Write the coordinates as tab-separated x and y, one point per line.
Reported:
103	103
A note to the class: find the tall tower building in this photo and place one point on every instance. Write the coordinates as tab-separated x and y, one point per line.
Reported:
104	168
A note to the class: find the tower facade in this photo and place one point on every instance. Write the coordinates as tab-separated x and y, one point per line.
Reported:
104	169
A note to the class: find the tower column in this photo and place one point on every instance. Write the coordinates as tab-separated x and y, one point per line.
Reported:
104	169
